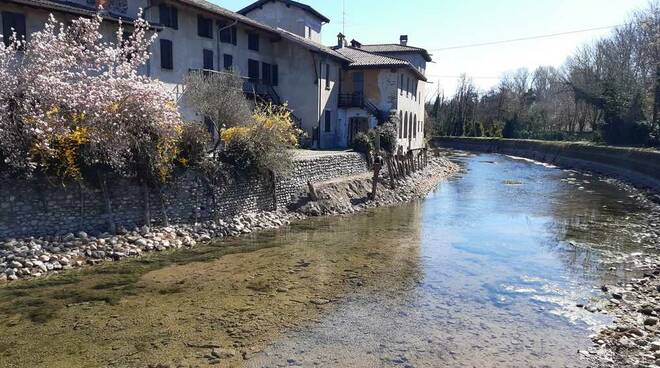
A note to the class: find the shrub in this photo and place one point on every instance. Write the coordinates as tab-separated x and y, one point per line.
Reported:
264	144
192	144
388	137
362	143
73	105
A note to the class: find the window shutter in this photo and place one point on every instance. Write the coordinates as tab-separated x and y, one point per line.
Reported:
17	22
175	17
234	36
253	69
229	61
265	73
166	54
276	75
208	59
164	15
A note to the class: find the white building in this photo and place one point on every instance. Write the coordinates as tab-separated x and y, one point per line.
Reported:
275	45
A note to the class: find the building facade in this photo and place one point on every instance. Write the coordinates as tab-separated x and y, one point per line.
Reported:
275	46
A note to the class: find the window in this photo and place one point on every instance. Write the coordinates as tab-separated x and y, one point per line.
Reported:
204	27
415	126
253	70
228	35
166	54
208	59
308	32
276	75
228	61
408	87
327	76
15	21
328	120
253	41
401	86
169	16
405	125
400	124
266	75
415	89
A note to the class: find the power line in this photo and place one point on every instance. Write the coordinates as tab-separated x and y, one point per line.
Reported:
523	38
459	76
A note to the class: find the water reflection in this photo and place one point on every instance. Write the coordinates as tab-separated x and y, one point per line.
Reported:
485	272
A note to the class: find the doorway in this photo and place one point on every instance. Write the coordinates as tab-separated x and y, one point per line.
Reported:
355	126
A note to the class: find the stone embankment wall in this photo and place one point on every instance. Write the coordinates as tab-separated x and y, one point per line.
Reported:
640	167
40	208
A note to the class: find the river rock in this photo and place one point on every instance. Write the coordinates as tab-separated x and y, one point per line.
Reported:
651	321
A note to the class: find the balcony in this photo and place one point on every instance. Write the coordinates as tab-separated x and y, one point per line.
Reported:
251	87
348	100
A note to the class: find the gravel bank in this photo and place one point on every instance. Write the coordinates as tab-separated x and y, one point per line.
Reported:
39	256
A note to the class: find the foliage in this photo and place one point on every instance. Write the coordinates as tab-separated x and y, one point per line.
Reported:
219	97
74	105
362	143
387	134
609	89
262	145
192	143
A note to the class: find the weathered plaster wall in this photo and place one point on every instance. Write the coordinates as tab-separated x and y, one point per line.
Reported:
291	18
637	166
38	208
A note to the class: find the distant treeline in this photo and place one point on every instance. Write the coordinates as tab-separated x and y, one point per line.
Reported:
608	91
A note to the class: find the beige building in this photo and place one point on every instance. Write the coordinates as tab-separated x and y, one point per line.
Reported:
275	45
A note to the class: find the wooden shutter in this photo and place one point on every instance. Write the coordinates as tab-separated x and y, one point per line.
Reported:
229	61
266	73
174	17
276	75
166	54
17	22
253	69
208	59
165	15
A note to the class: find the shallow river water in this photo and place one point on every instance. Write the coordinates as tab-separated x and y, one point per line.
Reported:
485	272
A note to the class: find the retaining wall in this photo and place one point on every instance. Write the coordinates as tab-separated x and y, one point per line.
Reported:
39	208
640	167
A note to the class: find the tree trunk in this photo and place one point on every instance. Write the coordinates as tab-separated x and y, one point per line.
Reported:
147	204
166	220
112	228
378	164
390	171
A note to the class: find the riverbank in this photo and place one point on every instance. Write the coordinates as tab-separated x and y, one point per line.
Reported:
39	256
633	340
640	167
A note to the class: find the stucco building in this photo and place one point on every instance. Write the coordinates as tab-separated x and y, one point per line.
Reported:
275	45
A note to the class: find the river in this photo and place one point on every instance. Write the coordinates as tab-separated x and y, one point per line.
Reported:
487	271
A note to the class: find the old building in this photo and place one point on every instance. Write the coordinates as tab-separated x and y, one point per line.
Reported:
275	45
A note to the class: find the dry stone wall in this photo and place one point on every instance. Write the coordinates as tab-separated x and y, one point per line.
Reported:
41	208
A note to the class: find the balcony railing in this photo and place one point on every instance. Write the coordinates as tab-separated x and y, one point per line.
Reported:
251	86
347	100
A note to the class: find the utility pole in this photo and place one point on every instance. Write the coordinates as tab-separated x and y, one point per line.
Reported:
343	17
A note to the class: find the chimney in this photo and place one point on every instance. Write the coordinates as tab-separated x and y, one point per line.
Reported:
341	40
403	40
355	44
101	4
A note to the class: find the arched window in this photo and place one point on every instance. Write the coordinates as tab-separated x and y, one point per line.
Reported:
405	125
400	127
415	126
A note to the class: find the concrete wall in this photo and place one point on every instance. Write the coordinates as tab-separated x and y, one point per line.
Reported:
637	166
291	18
40	208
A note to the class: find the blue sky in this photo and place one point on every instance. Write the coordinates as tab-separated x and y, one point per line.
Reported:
443	23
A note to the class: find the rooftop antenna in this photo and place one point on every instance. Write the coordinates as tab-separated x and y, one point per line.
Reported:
343	17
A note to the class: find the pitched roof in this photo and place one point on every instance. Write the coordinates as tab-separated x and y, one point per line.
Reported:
72	7
218	10
396	48
364	59
302	6
311	45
